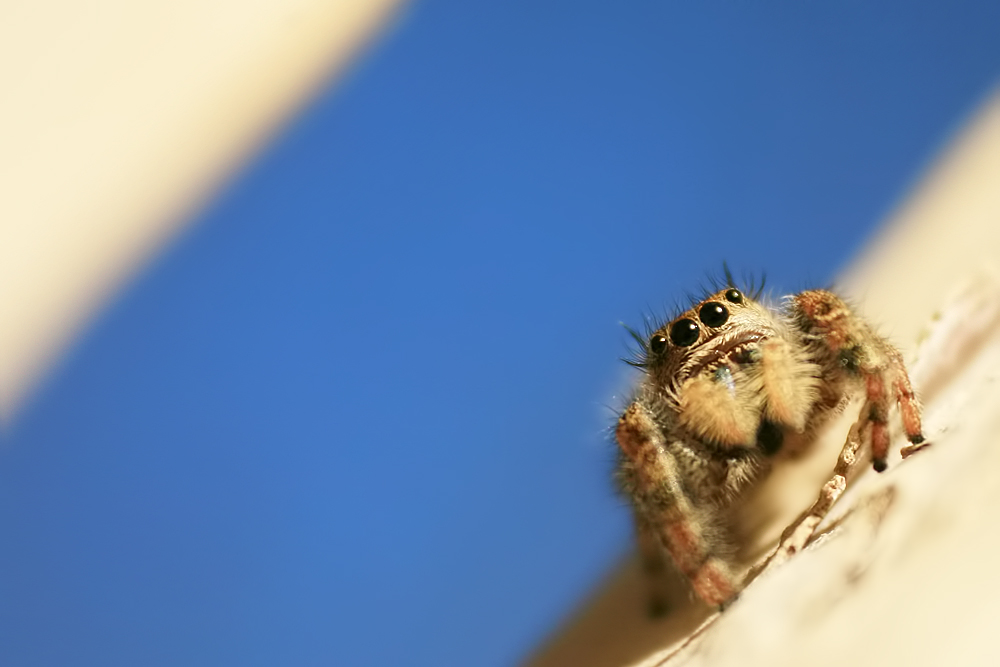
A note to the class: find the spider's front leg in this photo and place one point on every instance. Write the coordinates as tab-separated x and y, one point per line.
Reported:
667	512
845	343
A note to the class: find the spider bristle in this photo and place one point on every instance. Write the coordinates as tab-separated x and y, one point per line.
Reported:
759	290
637	337
653	320
637	355
649	325
730	281
747	283
671	315
707	288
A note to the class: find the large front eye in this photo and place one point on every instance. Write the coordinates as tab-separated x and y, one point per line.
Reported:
684	332
657	344
713	314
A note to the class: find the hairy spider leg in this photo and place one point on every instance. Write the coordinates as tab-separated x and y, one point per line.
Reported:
668	510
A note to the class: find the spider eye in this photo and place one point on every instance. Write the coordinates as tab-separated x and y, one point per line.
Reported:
734	296
684	332
657	344
713	314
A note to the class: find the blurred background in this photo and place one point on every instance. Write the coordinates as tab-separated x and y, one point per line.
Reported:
348	402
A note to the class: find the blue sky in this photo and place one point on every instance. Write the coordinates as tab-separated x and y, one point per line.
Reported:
356	414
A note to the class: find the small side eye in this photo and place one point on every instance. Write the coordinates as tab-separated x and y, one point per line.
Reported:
657	344
713	314
684	332
734	296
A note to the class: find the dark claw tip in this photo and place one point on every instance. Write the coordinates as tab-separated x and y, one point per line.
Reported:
917	439
879	465
728	603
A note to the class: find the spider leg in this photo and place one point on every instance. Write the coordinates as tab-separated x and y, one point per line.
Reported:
849	345
667	509
885	382
909	407
877	415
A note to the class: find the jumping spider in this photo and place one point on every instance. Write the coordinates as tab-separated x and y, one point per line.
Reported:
731	385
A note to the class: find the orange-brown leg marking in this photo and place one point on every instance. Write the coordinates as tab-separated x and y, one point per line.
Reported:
878	414
713	582
668	510
909	407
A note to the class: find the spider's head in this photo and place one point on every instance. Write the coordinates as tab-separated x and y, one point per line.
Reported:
722	330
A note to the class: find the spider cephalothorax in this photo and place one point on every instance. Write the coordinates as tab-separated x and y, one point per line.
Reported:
729	385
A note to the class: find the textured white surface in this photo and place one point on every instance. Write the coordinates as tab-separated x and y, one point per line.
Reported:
907	577
118	117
